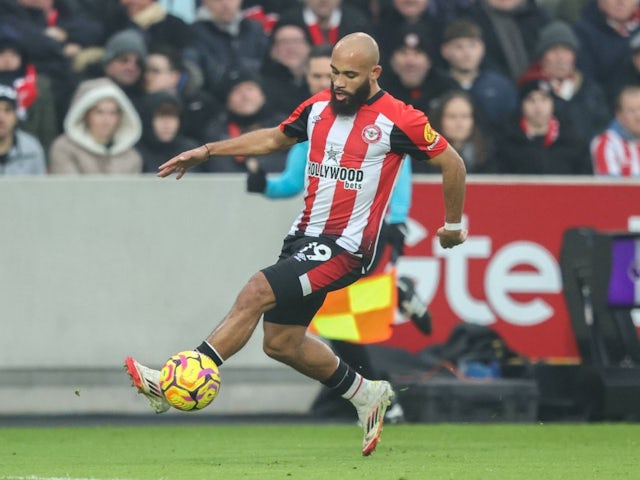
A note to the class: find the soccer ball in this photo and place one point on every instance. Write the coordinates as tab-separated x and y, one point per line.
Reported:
189	380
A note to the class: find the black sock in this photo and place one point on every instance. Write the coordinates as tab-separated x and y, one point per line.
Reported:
342	378
206	349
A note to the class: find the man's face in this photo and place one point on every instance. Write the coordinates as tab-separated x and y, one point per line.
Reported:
319	74
166	127
505	5
158	74
411	8
629	112
558	62
411	66
124	69
350	82
8	119
245	99
619	10
224	11
463	54
290	47
323	8
10	60
537	108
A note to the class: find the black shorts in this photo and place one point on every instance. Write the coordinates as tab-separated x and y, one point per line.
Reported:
307	269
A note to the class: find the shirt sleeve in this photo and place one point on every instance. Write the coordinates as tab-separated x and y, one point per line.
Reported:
412	134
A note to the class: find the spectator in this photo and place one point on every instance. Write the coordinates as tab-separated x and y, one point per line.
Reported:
223	39
246	110
493	93
283	72
510	29
152	20
123	62
165	70
20	152
412	77
616	151
161	137
454	116
36	108
605	29
576	96
325	21
538	142
100	131
399	15
630	70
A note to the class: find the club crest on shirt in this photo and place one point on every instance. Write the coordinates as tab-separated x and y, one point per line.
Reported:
429	133
371	133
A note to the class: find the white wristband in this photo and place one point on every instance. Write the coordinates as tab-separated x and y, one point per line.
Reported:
453	226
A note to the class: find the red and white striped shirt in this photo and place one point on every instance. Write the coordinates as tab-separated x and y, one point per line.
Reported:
614	155
353	163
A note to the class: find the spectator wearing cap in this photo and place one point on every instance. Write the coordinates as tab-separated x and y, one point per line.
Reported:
412	76
399	15
616	151
161	137
493	93
325	21
576	96
605	30
510	29
283	72
100	132
538	142
36	107
245	110
222	39
20	152
165	70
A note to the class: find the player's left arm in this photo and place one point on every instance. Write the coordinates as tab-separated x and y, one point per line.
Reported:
453	185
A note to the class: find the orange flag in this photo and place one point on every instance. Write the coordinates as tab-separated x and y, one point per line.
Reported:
360	313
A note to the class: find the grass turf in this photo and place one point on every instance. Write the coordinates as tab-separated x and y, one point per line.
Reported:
323	452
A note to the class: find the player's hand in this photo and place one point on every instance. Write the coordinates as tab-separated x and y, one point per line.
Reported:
183	162
451	238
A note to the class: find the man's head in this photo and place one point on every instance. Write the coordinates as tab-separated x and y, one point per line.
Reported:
12	50
8	114
223	11
290	47
556	48
536	102
124	57
505	5
355	71
628	109
318	71
133	7
323	8
244	93
619	10
411	9
462	46
410	59
163	69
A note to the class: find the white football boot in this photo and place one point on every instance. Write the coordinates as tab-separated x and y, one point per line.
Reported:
147	381
371	409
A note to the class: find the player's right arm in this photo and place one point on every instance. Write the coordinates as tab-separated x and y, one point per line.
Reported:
251	144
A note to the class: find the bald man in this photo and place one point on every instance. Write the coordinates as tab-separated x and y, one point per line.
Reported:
358	135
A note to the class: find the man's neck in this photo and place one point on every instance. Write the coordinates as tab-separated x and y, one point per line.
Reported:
464	77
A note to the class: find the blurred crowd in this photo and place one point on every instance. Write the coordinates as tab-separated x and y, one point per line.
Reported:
120	86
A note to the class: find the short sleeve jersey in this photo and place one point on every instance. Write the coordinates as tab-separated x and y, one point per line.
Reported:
353	163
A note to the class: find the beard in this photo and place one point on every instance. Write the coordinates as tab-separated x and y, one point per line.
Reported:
352	102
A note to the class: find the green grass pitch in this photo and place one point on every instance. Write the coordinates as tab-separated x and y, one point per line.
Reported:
322	451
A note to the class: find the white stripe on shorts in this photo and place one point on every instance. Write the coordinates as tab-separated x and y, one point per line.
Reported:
305	284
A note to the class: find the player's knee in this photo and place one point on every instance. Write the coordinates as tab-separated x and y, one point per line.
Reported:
279	347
